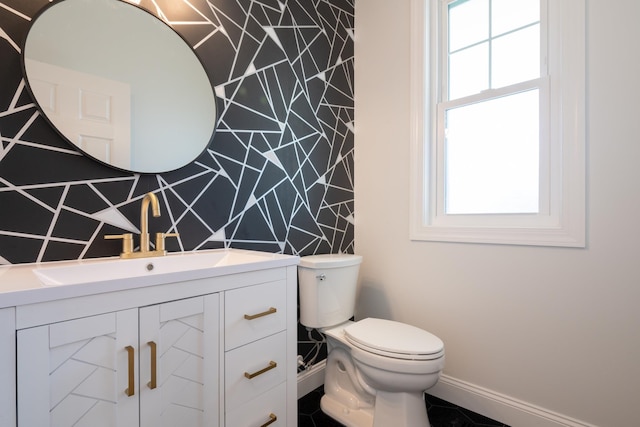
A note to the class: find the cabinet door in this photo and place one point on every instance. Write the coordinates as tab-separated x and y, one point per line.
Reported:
77	373
179	347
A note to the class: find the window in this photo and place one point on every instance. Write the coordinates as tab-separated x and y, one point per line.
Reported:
498	139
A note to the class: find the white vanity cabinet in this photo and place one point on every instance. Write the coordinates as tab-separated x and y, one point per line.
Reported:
156	364
214	347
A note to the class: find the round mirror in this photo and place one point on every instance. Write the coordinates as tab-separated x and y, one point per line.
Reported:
119	84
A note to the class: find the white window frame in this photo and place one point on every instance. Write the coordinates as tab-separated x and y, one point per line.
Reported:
561	220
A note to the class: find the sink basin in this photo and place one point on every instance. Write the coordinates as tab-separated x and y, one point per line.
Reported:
173	267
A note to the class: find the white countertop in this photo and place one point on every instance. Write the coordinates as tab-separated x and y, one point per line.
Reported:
22	284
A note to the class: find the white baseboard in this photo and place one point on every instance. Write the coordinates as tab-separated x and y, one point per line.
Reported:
499	407
310	379
486	402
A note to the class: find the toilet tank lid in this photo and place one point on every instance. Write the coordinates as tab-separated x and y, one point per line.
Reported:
330	260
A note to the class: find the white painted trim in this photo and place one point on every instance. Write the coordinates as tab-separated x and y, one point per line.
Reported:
498	406
565	223
311	378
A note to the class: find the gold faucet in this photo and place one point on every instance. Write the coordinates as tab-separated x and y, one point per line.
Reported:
144	219
127	238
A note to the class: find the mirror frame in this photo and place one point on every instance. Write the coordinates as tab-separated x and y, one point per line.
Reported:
43	114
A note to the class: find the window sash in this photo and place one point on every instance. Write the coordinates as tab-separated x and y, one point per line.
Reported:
437	178
442	28
546	198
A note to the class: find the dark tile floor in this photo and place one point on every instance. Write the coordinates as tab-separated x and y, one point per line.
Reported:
441	414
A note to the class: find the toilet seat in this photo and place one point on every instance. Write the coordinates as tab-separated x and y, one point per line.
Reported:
394	339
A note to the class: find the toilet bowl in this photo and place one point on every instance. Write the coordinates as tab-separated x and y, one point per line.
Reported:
377	370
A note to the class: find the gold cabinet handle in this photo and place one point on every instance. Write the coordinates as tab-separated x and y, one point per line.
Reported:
271	310
272	365
154	367
130	391
272	419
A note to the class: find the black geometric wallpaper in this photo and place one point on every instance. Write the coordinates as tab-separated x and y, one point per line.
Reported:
277	177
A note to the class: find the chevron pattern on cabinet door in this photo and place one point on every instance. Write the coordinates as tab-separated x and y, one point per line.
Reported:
185	333
180	361
75	373
83	383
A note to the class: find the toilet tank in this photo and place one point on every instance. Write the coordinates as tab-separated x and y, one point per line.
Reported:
327	286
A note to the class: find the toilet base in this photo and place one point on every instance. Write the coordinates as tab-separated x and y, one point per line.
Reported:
400	410
391	409
362	417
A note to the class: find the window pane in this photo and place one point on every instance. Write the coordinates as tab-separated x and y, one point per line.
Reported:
509	15
516	57
468	23
492	156
469	71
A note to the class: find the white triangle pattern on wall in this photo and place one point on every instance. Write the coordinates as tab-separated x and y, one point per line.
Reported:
277	177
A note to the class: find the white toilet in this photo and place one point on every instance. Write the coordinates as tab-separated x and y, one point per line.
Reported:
377	370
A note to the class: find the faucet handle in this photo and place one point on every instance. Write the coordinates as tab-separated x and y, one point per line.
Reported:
127	241
160	240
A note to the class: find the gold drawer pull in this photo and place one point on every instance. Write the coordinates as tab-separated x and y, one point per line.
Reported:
272	419
272	365
130	391
154	370
271	310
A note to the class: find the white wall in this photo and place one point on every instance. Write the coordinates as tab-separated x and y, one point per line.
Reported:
556	329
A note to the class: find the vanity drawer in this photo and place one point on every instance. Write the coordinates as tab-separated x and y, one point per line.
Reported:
254	312
267	409
264	360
